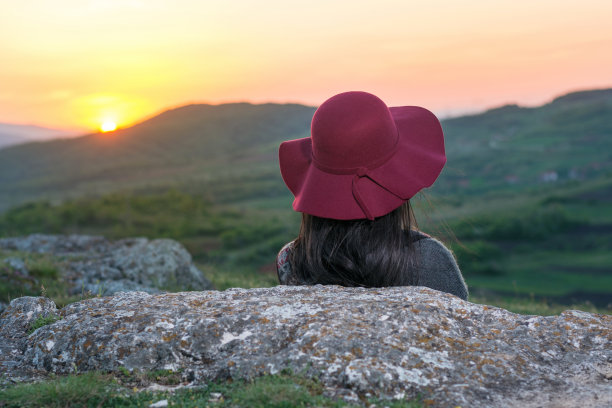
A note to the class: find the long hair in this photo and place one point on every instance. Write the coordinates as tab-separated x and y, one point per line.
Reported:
369	253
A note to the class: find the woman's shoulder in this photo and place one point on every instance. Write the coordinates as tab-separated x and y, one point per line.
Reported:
283	255
416	235
438	268
283	266
429	244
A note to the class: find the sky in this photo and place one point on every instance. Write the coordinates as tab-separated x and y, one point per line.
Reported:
76	64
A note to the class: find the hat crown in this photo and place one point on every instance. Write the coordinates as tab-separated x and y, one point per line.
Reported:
352	130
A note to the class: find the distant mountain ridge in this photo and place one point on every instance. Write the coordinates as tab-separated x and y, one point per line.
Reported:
584	96
202	146
568	138
13	134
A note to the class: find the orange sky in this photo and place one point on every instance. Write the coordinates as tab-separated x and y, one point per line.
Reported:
79	63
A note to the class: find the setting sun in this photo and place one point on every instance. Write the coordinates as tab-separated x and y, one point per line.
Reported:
108	126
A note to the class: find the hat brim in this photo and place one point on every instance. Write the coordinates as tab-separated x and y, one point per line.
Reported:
416	164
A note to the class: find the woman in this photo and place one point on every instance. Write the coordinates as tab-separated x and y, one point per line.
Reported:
352	181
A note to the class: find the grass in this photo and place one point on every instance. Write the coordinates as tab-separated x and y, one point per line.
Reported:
551	243
532	306
239	277
73	391
551	273
42	321
44	278
122	390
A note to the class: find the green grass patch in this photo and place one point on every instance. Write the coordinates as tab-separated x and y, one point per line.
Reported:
43	278
225	278
531	306
85	390
550	273
43	321
108	390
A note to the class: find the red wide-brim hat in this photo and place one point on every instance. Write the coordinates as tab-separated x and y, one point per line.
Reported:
363	159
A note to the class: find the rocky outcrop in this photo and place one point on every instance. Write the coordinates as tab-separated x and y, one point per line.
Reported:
391	342
57	244
104	267
15	323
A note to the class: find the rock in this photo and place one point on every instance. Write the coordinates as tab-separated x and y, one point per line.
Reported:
14	273
20	314
15	322
104	267
56	244
16	265
140	264
390	343
215	397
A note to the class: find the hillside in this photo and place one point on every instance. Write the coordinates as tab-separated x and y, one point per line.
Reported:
513	148
190	144
220	148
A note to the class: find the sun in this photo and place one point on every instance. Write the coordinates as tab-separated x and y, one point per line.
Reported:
108	126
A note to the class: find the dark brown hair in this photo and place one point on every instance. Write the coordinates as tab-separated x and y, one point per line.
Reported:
369	253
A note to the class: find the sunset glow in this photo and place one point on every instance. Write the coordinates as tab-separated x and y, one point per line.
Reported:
70	62
108	126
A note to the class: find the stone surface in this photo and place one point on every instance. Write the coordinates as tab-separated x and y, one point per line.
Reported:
104	267
17	265
15	322
56	244
391	342
15	273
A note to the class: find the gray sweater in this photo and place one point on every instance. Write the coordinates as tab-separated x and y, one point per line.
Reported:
436	266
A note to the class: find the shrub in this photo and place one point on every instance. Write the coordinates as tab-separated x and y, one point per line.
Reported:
479	257
534	224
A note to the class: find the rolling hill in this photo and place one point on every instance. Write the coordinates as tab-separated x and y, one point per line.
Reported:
209	147
513	148
191	144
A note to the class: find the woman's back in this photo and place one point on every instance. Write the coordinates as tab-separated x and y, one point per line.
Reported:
434	266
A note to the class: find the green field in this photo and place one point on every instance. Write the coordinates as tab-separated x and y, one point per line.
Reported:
546	248
552	244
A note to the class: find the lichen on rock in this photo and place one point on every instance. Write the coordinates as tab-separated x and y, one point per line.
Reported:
387	342
15	322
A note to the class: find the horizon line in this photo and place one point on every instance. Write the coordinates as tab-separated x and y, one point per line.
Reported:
451	113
